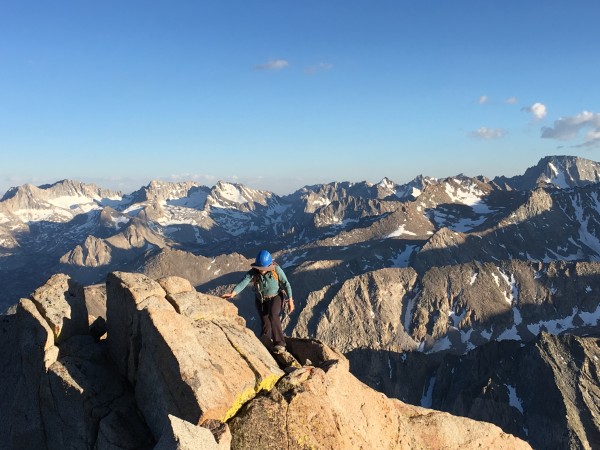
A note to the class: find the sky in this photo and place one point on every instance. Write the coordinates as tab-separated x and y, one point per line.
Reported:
277	95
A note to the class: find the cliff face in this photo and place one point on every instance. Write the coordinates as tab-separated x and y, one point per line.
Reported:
454	308
179	369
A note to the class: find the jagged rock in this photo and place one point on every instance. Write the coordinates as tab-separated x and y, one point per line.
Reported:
95	300
175	285
26	340
182	435
196	306
59	397
123	429
312	350
61	302
83	394
169	373
330	409
127	294
198	370
98	329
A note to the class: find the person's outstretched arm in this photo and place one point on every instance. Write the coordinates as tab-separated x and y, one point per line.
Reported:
240	286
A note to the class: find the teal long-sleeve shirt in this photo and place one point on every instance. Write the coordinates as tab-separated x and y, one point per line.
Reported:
268	286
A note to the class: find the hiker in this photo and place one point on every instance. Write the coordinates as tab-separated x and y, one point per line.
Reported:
271	287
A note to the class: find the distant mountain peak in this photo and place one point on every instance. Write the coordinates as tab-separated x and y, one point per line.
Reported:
562	171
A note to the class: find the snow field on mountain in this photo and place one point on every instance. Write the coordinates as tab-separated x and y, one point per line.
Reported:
401	231
470	197
402	259
195	200
559	177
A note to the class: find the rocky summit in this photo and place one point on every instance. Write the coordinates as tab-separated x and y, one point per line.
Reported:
168	367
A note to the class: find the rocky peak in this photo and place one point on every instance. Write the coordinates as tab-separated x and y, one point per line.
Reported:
319	196
561	171
73	188
177	363
26	196
386	183
231	195
537	202
161	191
411	190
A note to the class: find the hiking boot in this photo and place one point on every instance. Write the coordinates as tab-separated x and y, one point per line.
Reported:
279	349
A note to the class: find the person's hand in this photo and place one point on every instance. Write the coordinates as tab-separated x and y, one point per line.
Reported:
229	295
290	305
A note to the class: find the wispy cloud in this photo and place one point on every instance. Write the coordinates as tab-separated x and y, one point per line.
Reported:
511	100
538	110
188	176
483	99
321	67
568	128
488	133
272	64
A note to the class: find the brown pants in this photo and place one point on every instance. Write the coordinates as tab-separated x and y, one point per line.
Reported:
269	311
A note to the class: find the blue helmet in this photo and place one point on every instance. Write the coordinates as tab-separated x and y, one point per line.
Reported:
263	259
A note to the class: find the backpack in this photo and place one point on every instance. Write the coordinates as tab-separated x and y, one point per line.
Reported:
273	273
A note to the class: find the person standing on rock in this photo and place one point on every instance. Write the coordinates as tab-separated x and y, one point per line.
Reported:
271	286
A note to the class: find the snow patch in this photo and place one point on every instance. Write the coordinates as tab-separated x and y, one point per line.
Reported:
427	397
559	179
470	197
231	193
555	326
590	318
585	237
473	278
401	231
441	344
402	258
513	399
409	311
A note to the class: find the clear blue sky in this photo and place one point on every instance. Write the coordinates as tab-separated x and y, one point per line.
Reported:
280	94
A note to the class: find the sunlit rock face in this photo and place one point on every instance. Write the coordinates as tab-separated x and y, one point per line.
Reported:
178	369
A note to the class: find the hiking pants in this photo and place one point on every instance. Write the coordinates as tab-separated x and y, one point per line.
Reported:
269	311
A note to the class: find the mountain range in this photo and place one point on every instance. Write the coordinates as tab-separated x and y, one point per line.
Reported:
403	279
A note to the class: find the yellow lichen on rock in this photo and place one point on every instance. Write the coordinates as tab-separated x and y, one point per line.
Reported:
266	384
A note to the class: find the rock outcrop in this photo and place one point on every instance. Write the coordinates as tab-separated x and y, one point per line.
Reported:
325	407
66	394
179	370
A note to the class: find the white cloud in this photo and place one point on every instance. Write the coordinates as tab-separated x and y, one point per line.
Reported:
483	99
512	100
538	110
488	133
568	128
272	64
318	68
